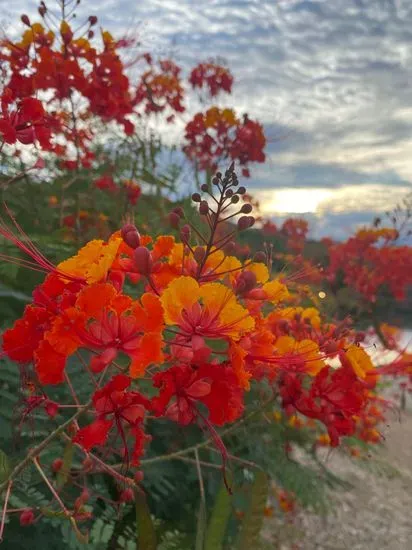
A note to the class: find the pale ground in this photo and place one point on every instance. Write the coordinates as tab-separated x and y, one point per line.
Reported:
376	514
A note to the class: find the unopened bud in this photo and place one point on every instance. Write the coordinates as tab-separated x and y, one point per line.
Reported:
57	465
246	209
51	408
241	190
92	20
204	187
251	221
179	211
27	517
130	235
230	248
203	208
245	282
143	260
243	223
126	495
196	197
229	193
174	220
185	234
260	257
199	254
234	199
139	476
90	35
215	181
25	19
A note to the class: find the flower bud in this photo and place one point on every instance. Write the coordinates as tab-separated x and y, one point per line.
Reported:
90	35
246	281
57	465
203	208
229	193
243	223
174	220
25	19
246	209
199	254
204	187
234	199
230	248
126	495
196	197
179	211
130	235
251	221
241	190
92	20
260	257
27	517
139	476
185	234
215	180
143	260
51	408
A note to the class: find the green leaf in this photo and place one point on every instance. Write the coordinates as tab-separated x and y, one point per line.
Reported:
253	520
146	535
218	520
4	466
64	471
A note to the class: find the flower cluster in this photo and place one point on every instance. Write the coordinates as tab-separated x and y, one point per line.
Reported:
203	328
212	77
217	135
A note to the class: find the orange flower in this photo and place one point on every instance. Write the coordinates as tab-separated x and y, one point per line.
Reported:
302	356
359	361
210	310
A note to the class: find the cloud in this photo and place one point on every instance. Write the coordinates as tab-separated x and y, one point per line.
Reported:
331	80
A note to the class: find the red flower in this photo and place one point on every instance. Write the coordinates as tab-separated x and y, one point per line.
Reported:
181	387
117	408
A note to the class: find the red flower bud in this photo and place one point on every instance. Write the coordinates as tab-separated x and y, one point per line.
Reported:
246	209
126	495
143	260
56	465
51	408
174	220
179	211
92	20
204	187
139	476
25	19
199	254
230	248
27	517
260	257
203	208
185	233
243	223
130	235
196	197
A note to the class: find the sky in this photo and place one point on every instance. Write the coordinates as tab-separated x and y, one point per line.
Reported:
331	81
